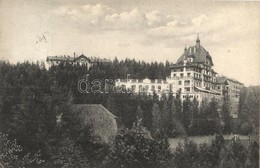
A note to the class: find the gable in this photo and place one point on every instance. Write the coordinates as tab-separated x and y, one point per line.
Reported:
82	58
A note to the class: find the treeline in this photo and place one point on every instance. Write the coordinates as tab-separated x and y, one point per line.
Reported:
33	99
248	114
171	115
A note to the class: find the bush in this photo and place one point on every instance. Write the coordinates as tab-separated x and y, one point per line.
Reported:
246	128
136	148
186	155
11	155
205	155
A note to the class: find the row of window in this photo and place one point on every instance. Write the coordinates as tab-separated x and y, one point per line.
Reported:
141	87
187	69
182	75
190	96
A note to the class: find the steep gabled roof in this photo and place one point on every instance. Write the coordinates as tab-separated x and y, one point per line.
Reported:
82	56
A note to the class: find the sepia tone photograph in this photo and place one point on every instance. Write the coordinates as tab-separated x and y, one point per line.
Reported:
129	83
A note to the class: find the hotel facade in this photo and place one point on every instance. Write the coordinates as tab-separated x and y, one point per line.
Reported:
192	75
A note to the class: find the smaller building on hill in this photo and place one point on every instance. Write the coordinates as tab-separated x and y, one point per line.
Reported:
76	60
101	121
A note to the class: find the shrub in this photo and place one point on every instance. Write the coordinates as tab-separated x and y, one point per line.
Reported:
11	155
136	148
246	128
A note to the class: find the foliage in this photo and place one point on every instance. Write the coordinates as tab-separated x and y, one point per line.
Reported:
186	112
245	128
189	154
11	154
156	119
135	148
227	119
35	110
69	155
139	115
249	107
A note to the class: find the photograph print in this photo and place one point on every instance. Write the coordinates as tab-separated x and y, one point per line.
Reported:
129	83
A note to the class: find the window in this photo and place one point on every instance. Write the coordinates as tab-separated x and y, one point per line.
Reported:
181	74
186	83
174	75
171	87
146	87
179	82
188	74
187	89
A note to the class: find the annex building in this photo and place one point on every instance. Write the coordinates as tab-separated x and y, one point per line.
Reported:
76	60
192	75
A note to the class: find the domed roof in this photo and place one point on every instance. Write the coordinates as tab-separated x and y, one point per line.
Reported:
197	52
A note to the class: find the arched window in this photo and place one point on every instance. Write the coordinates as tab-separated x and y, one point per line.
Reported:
133	87
140	88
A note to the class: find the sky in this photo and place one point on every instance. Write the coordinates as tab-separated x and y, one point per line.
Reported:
148	30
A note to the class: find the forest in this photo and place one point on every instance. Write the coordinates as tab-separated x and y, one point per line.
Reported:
32	97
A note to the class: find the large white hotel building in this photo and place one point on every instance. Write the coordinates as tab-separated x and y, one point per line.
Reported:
192	75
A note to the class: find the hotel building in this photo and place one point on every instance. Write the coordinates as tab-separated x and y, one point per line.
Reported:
192	75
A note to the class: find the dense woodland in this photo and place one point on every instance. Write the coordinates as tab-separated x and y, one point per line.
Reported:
32	97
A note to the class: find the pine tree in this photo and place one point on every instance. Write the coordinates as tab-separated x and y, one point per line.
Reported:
225	112
178	107
187	105
166	117
156	119
139	115
111	104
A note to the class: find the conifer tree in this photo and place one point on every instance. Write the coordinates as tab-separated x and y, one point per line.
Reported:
139	115
225	112
178	107
156	119
166	117
186	115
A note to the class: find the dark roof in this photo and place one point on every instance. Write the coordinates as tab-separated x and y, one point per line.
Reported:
82	56
60	58
198	53
224	79
221	79
71	59
101	120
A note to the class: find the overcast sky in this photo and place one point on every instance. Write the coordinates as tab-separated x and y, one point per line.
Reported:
148	30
